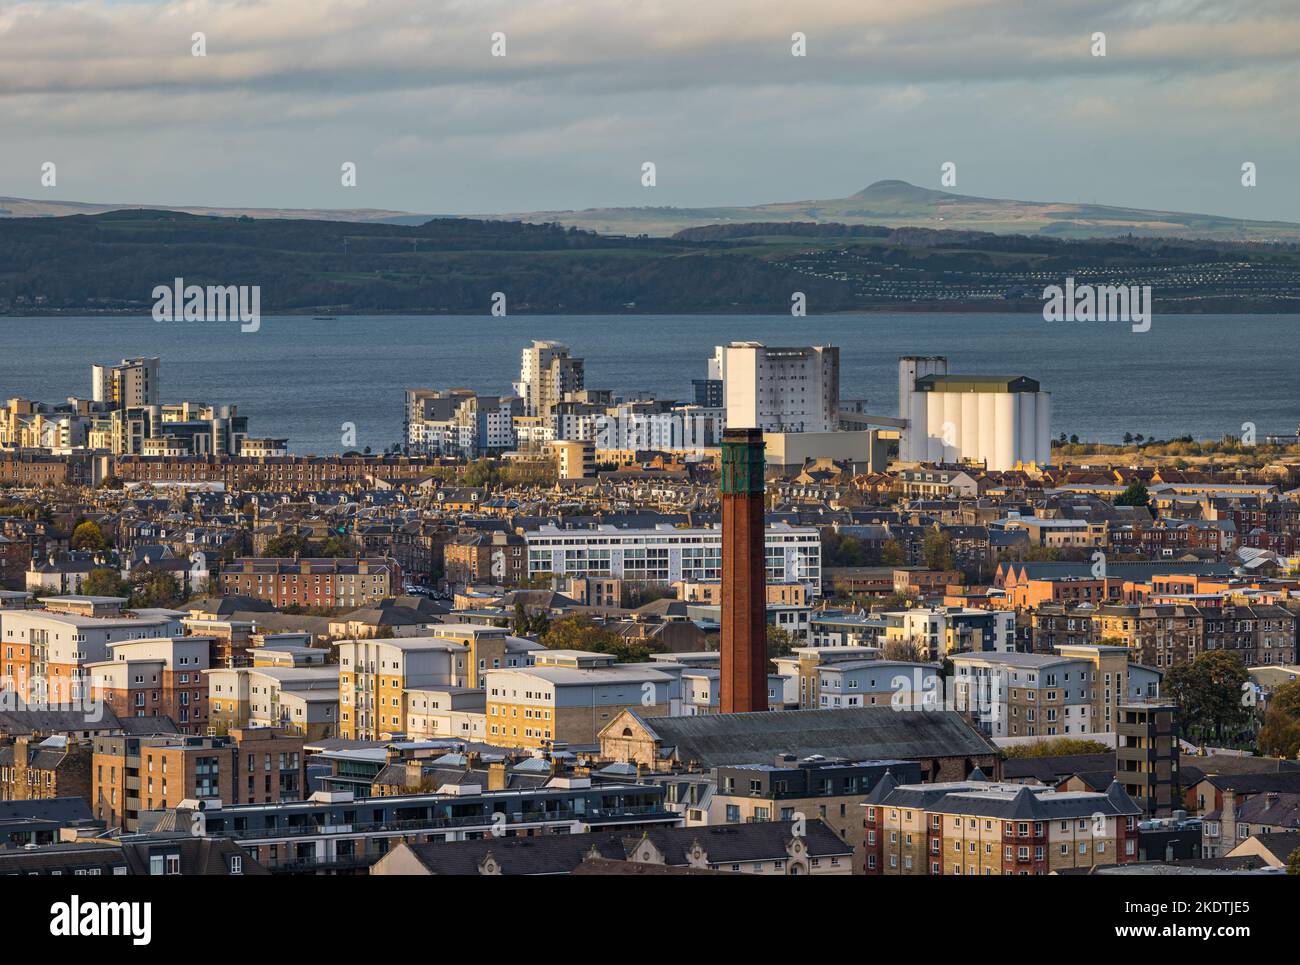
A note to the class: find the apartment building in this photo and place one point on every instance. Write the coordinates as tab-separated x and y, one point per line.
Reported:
1076	691
333	832
313	582
977	828
547	373
303	701
779	389
499	558
1147	754
1062	624
158	677
129	384
667	554
942	631
568	696
49	653
805	790
135	774
1163	635
488	648
374	676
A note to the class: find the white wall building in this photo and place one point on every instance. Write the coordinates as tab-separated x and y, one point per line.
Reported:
779	389
666	554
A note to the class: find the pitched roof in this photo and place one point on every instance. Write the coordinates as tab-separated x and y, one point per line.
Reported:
853	733
561	854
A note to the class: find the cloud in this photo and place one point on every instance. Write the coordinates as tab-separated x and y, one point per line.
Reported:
409	89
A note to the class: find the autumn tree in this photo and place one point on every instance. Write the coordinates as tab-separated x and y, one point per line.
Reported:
88	536
1280	735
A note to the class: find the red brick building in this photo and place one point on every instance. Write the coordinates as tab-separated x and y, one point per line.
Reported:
349	583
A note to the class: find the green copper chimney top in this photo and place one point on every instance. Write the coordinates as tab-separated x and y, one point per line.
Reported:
742	462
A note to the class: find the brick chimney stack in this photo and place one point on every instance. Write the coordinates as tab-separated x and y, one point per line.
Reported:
744	574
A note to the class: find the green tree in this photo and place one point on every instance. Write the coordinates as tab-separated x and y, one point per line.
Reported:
780	642
480	473
105	582
336	546
88	536
937	550
286	545
154	588
1208	691
840	549
891	554
527	624
1135	495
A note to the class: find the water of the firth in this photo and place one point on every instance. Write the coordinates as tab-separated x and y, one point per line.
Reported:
303	378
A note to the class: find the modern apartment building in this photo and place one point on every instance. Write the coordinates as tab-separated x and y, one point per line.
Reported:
976	828
297	700
1147	755
779	389
52	651
333	832
667	554
804	790
568	696
129	384
547	373
1076	691
136	774
379	679
158	677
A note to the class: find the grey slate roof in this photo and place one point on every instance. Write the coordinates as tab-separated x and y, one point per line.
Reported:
560	854
853	733
1055	768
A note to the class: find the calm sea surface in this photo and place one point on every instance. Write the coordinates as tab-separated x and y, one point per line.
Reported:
302	378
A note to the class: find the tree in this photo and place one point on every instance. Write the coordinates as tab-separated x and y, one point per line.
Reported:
937	550
1135	495
1280	735
840	549
154	588
905	649
286	545
480	473
1208	691
1293	862
582	633
527	624
88	536
336	546
1060	746
105	582
780	642
891	554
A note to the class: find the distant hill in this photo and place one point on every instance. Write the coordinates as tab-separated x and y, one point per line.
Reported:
32	208
111	262
898	204
891	203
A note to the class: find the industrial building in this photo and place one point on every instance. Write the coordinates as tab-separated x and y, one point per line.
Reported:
999	420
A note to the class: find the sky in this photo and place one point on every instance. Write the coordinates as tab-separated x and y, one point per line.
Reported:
708	90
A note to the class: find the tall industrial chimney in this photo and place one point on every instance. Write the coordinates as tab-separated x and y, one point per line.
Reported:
744	576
